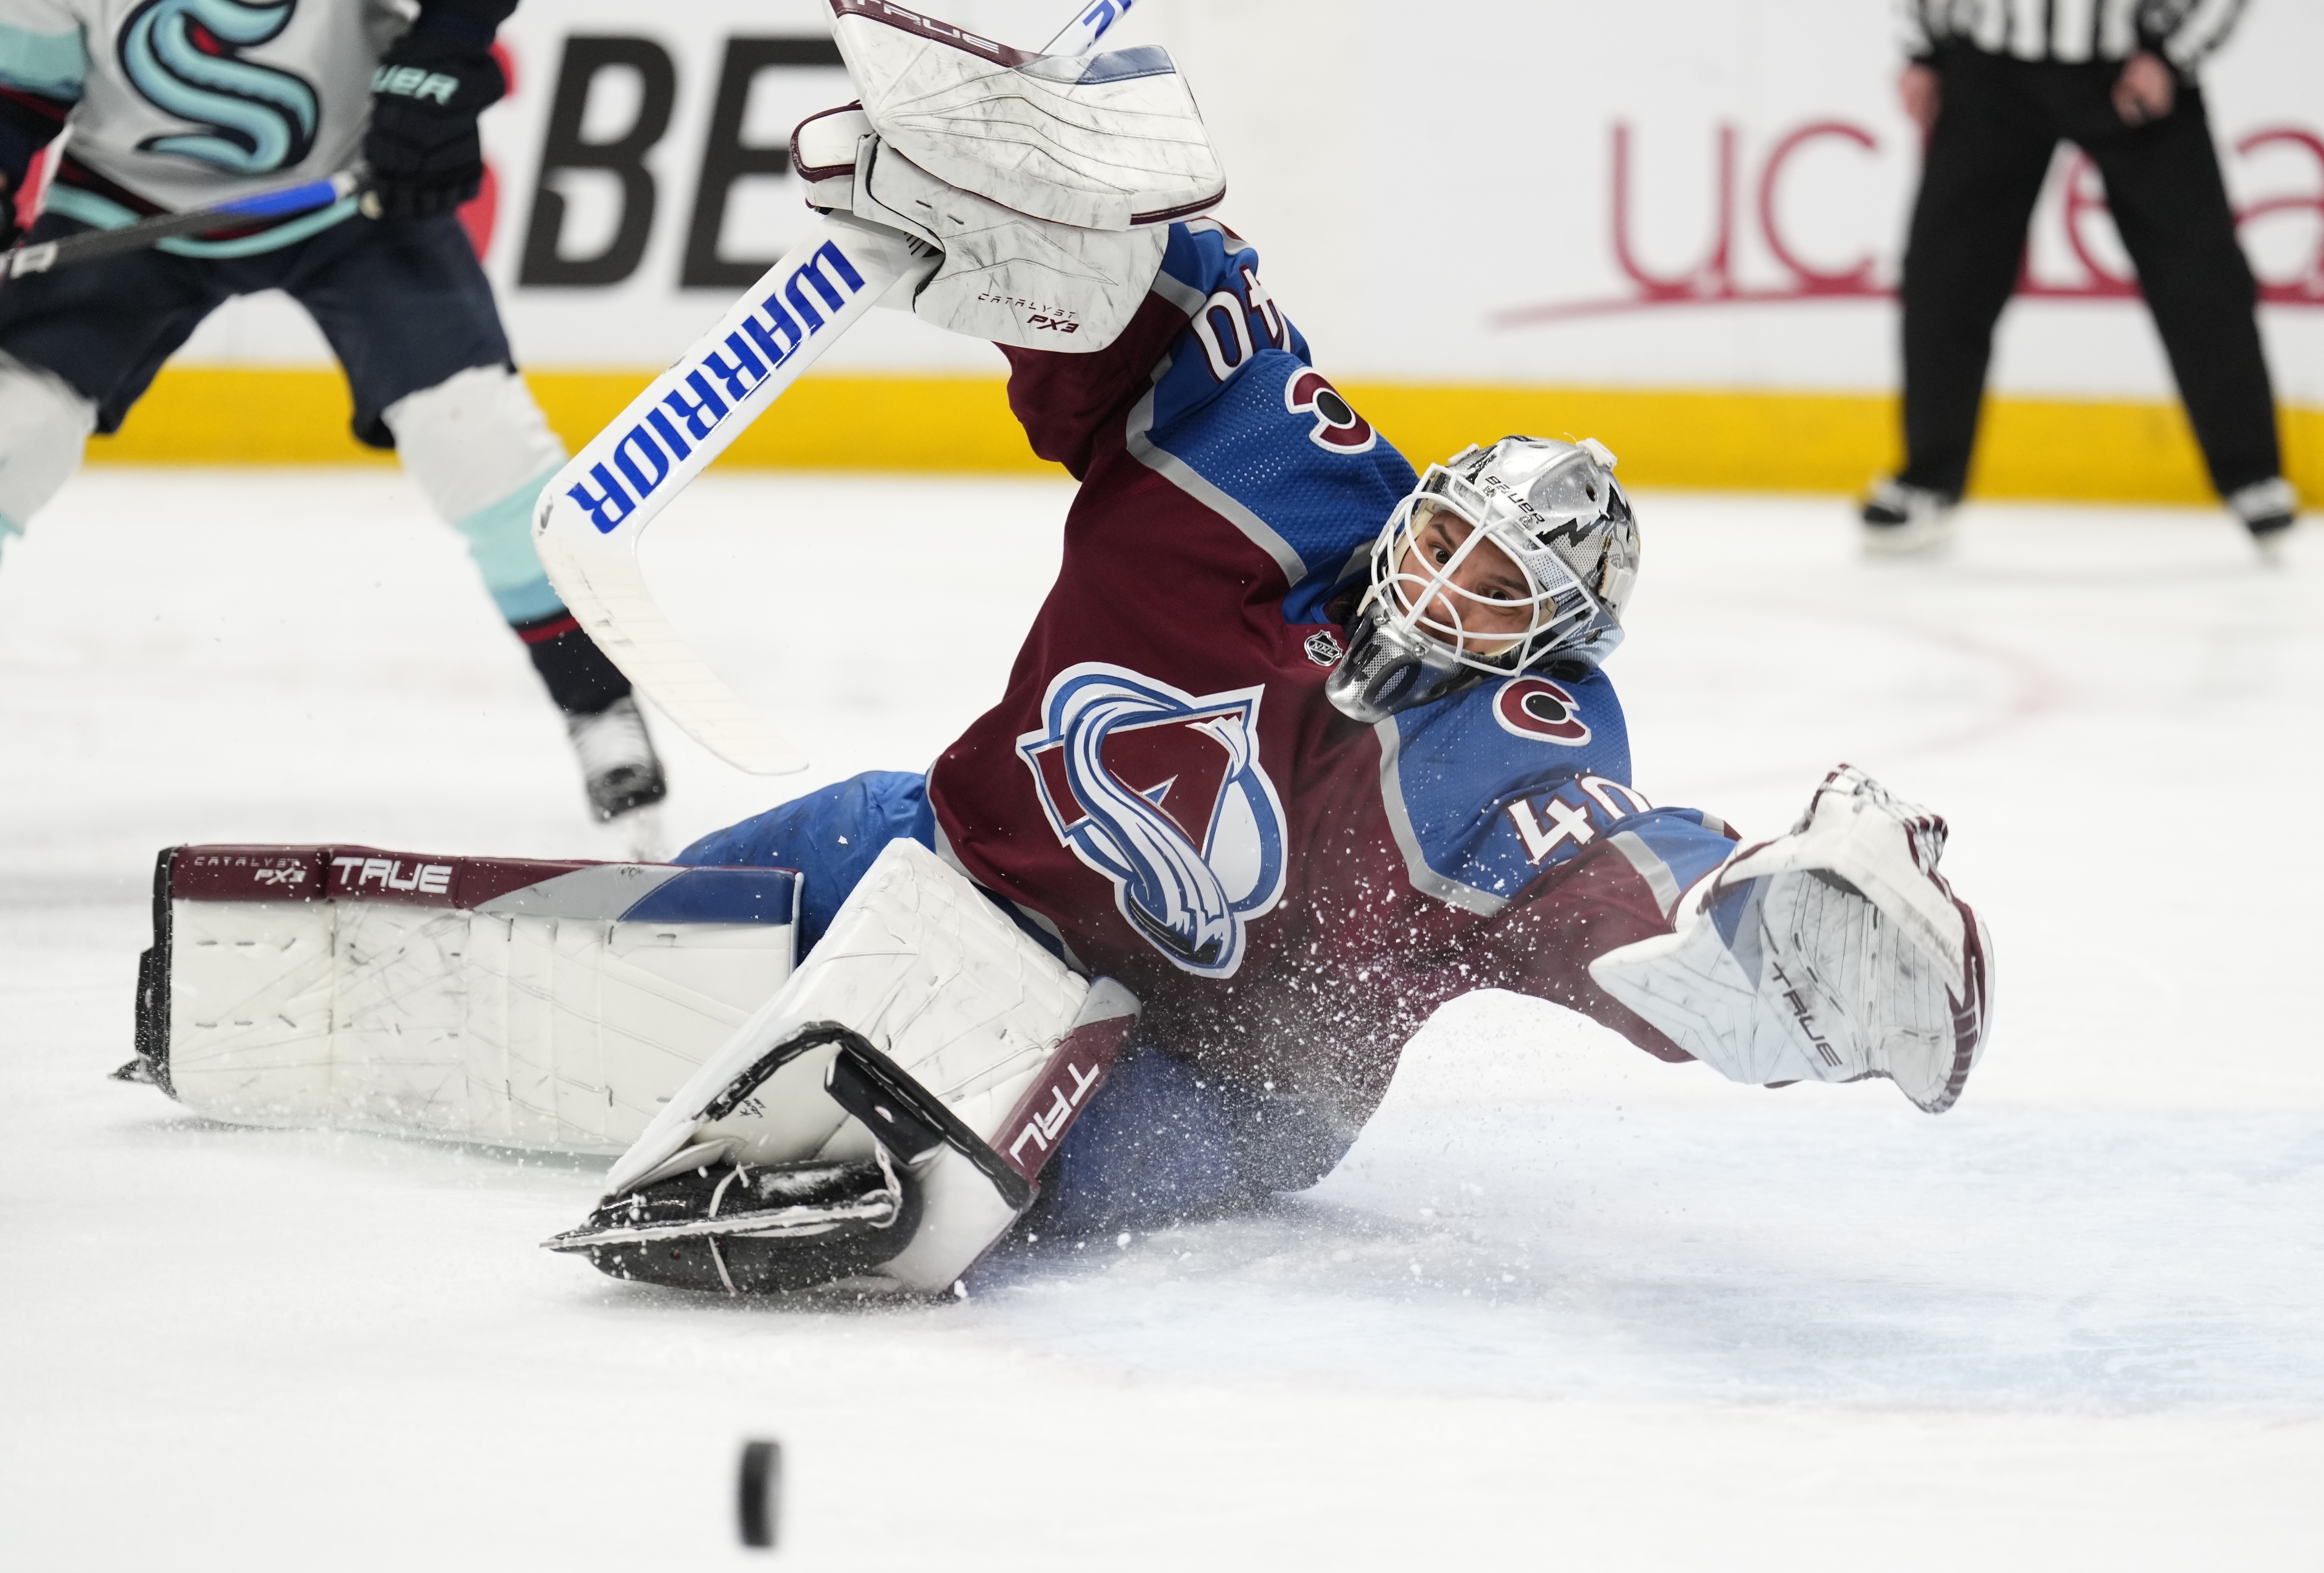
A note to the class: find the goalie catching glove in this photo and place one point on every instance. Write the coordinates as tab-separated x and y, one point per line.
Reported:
1049	182
1833	953
883	1119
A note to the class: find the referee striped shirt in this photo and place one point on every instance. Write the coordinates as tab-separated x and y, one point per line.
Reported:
2071	30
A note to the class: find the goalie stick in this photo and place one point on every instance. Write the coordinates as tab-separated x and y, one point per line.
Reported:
51	254
592	515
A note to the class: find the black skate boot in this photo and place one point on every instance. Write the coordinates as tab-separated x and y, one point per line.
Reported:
1904	520
618	767
745	1229
2267	509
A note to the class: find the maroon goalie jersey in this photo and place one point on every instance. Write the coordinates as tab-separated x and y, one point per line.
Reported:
1164	789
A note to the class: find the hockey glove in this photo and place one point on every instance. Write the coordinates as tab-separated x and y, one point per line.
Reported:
1834	953
422	147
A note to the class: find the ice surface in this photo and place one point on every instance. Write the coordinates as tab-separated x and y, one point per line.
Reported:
1563	1306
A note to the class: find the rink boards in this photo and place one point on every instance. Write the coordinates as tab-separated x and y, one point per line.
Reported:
1701	275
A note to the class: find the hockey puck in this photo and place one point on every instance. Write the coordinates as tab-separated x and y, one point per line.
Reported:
759	1496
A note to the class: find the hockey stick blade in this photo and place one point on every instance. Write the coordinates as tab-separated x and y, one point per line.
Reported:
589	520
48	256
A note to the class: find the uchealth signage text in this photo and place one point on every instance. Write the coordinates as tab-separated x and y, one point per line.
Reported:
2075	237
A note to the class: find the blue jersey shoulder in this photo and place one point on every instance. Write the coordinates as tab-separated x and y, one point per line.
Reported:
1264	436
1488	787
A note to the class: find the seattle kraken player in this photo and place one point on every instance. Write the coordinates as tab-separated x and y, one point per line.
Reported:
178	104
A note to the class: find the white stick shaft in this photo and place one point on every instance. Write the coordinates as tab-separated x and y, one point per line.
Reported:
588	522
589	519
1086	28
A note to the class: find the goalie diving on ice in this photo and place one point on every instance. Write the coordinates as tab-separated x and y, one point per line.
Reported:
1301	745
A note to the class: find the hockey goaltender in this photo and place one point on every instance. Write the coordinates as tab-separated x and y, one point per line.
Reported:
1301	745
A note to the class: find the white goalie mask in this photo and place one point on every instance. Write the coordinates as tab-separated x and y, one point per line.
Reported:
1555	510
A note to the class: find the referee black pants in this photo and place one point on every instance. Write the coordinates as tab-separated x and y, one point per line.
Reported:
2001	121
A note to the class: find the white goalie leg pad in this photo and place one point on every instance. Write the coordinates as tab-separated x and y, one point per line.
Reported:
480	449
549	1006
1833	953
44	425
1098	142
934	976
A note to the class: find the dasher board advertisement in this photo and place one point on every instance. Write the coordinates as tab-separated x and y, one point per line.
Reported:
1689	193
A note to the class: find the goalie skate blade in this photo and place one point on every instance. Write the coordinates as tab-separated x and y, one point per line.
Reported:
738	1198
738	1229
874	1211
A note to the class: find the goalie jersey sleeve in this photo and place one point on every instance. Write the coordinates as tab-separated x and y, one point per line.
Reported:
1165	788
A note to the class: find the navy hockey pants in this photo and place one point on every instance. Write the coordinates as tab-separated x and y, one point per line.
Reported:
404	305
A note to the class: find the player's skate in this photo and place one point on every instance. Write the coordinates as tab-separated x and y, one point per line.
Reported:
1904	520
1833	953
750	1229
2267	509
620	771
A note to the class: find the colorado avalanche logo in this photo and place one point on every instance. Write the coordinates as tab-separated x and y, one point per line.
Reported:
1163	793
1536	707
1338	428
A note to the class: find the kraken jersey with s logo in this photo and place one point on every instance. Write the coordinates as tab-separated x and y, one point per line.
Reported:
182	103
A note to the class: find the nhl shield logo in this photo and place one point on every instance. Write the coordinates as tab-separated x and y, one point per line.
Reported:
1163	793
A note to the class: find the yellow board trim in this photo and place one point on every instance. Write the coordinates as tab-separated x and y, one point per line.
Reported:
1740	439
